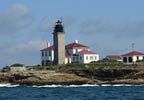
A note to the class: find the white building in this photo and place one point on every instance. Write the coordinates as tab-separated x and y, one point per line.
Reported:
85	56
47	55
132	57
74	52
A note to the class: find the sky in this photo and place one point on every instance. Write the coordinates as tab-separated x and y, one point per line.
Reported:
108	27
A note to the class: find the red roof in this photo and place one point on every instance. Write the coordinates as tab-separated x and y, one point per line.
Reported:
113	57
74	45
133	53
48	48
69	46
86	52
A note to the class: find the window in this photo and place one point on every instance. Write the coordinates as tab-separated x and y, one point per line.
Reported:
95	57
130	59
42	53
68	60
73	58
137	57
42	62
49	53
45	53
48	62
77	58
125	59
91	57
67	51
76	50
86	57
80	57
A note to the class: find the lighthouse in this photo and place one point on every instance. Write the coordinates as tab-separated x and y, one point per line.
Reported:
59	43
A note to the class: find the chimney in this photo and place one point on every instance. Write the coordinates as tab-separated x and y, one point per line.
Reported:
76	41
48	44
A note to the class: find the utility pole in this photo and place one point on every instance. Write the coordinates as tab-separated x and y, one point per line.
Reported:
133	46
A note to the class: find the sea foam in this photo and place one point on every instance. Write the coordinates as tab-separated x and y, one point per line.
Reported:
85	85
9	85
72	86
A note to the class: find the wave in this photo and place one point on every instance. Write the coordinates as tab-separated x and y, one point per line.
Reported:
9	85
124	85
116	85
86	85
120	85
47	86
106	85
72	86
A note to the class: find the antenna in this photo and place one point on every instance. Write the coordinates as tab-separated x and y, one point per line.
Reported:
47	44
61	19
133	46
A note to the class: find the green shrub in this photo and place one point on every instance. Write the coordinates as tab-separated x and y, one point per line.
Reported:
17	65
140	61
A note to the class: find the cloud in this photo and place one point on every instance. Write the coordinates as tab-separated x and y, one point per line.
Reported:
92	26
132	29
45	25
126	29
15	19
27	53
33	45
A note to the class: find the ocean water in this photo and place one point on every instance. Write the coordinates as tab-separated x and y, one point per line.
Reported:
72	92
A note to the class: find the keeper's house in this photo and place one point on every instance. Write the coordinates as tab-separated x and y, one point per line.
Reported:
132	57
74	52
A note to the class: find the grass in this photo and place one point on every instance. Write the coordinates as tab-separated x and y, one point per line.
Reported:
93	66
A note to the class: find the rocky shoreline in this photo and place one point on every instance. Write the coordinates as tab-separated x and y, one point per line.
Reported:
42	78
47	77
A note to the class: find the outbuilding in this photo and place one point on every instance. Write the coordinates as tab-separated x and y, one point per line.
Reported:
114	57
132	57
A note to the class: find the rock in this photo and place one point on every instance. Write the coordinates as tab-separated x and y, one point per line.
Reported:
77	77
6	78
48	78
